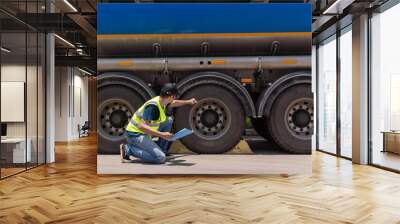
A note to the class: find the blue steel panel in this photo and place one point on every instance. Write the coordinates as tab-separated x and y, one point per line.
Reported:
195	18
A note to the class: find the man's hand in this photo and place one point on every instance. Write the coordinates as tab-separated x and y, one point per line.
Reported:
192	101
165	135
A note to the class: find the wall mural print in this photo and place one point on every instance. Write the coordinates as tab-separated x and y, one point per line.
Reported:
204	88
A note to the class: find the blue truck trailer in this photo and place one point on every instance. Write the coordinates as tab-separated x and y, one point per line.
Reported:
238	59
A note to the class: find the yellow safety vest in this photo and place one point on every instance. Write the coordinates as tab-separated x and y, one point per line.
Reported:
138	117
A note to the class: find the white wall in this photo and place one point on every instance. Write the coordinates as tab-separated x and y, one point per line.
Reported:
16	73
81	104
71	102
62	81
33	126
13	73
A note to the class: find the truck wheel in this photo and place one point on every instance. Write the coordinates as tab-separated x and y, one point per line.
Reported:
217	119
290	123
116	107
119	95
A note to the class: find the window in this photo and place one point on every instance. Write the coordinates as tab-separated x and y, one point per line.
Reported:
22	77
385	89
346	92
327	95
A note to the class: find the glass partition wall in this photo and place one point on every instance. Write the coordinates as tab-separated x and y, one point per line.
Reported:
334	93
385	89
22	78
13	85
327	95
345	93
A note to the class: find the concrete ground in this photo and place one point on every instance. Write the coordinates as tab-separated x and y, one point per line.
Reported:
250	156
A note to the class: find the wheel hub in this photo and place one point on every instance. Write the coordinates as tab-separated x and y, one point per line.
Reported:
210	118
118	118
300	117
114	117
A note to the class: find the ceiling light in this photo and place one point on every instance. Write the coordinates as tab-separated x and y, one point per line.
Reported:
5	50
65	41
84	71
333	6
338	6
70	5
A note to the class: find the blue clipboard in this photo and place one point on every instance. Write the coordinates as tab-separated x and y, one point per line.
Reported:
180	134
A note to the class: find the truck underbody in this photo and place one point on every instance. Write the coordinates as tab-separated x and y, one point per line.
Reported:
274	91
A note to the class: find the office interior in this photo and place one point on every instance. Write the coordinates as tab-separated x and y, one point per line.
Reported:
48	82
336	53
48	127
43	100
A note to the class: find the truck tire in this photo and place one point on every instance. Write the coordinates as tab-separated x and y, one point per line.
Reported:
259	125
217	119
290	123
116	104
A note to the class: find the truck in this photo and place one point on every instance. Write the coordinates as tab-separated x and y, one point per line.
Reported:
241	61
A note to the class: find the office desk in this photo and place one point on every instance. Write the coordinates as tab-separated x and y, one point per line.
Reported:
391	141
13	150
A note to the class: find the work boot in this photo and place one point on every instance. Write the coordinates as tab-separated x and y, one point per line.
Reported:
168	154
124	157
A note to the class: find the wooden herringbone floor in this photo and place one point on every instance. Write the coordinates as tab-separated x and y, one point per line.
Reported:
70	191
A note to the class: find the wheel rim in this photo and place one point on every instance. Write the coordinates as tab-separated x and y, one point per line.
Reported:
299	117
114	116
210	118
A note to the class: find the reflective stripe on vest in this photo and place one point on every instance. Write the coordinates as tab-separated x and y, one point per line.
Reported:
138	115
151	124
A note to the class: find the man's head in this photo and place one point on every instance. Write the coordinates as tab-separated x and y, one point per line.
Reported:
169	92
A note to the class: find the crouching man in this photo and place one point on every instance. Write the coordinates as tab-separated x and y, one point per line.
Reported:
150	120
